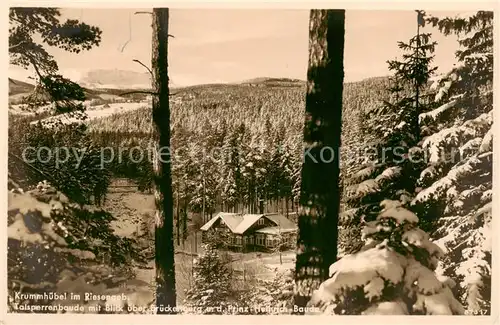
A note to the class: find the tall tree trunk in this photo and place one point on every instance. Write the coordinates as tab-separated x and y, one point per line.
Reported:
164	244
196	241
203	192
192	258
184	227
418	84
185	211
319	193
178	222
286	206
177	210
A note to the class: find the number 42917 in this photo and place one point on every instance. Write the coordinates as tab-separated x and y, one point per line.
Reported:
476	312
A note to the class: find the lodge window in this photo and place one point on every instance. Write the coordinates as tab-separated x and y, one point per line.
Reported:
260	222
260	240
238	240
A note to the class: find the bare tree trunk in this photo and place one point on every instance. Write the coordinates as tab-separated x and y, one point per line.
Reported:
192	256
196	241
286	206
164	245
177	210
185	232
416	113
178	222
203	199
184	213
319	199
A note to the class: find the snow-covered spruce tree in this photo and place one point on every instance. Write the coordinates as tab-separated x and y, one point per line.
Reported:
352	153
390	161
231	183
205	176
212	291
55	247
393	274
456	186
273	296
83	181
355	136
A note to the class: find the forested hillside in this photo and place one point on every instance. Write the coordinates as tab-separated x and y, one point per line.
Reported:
250	136
415	190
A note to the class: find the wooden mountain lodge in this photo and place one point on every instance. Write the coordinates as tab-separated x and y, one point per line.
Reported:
251	232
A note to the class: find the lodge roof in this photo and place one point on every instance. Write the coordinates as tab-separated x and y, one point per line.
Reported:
239	223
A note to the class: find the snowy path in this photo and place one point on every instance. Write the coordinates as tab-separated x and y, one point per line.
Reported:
94	112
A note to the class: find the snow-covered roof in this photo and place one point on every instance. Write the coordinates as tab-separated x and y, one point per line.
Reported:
239	223
282	221
230	219
248	221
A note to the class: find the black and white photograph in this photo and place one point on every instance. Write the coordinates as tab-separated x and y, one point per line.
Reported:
250	161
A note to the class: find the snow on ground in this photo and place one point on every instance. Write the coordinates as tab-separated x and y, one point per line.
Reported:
264	265
114	108
132	208
96	111
93	112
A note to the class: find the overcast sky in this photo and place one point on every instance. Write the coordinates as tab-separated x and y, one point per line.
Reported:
227	45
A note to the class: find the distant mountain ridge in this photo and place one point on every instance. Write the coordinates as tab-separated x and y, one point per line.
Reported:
272	80
18	87
126	79
115	79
